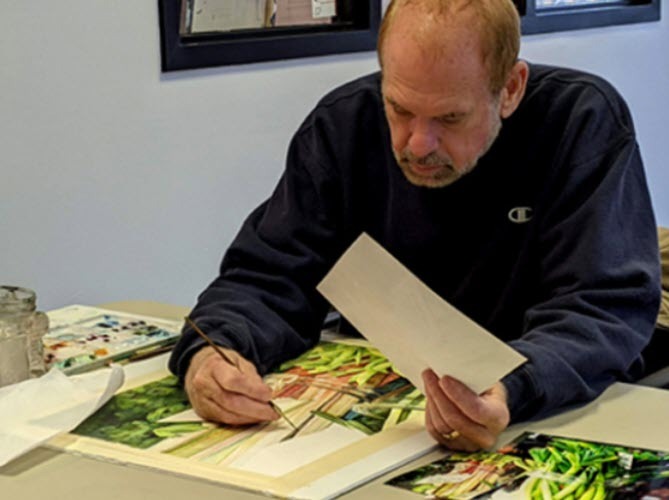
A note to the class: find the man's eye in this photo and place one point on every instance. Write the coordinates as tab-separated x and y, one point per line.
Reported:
400	111
448	120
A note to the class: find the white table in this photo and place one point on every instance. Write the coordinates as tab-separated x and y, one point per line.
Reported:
625	414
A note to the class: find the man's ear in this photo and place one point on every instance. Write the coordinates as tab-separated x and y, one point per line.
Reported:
514	89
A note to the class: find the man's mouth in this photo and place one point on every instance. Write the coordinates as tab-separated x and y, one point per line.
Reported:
426	170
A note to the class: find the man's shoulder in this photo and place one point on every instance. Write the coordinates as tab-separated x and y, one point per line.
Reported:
570	81
574	91
563	75
364	88
355	103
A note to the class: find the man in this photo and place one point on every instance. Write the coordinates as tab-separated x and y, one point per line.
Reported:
520	198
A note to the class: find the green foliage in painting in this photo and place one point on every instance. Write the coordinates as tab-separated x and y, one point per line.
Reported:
383	394
132	417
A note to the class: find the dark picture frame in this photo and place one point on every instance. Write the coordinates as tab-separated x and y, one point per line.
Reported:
589	15
179	52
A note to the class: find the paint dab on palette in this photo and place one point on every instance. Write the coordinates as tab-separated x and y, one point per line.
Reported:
87	341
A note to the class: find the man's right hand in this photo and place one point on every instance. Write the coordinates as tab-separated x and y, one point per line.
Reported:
224	393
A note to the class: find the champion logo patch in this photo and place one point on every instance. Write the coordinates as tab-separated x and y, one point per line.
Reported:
520	215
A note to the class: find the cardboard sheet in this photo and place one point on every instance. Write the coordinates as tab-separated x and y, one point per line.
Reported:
409	323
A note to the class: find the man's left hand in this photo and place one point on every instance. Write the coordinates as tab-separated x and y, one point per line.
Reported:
461	419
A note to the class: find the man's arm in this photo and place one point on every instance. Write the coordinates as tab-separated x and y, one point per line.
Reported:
263	305
600	287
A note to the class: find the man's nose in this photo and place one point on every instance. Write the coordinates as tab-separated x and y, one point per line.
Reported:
424	139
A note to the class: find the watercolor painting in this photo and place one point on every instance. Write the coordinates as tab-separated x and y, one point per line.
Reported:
92	340
351	386
133	417
539	466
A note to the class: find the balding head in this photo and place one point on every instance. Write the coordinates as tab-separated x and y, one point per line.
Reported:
427	24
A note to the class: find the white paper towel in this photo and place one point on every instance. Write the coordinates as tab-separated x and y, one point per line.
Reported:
33	411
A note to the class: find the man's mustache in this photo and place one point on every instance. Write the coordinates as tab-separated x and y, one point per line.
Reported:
430	160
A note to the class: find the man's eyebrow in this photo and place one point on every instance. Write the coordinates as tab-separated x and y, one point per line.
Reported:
393	102
453	115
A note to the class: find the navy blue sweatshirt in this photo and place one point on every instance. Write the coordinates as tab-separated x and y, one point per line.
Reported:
549	243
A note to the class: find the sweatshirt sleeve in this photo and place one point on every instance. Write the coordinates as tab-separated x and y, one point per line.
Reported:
600	283
264	303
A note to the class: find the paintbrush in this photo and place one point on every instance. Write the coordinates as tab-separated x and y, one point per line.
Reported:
233	362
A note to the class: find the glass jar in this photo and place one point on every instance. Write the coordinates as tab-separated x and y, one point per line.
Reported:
21	332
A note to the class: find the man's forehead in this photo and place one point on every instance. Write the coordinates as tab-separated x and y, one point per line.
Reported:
422	46
409	74
434	103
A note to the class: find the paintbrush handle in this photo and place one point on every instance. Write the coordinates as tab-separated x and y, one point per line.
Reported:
217	348
281	413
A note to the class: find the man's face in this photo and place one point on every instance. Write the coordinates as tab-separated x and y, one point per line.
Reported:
441	113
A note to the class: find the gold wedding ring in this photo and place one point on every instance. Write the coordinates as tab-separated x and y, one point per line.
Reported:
451	435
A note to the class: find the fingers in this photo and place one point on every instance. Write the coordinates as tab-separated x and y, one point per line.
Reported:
453	407
238	410
244	379
444	434
211	410
487	409
225	393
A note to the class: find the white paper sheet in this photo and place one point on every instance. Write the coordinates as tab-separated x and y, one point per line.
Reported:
226	15
323	8
409	323
34	411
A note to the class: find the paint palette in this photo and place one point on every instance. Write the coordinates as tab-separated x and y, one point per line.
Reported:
82	338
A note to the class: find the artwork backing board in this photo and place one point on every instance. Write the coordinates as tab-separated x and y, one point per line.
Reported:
331	475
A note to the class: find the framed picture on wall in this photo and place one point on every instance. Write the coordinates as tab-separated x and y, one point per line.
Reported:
204	33
542	16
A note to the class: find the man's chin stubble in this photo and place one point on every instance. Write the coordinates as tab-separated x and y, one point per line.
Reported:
434	182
